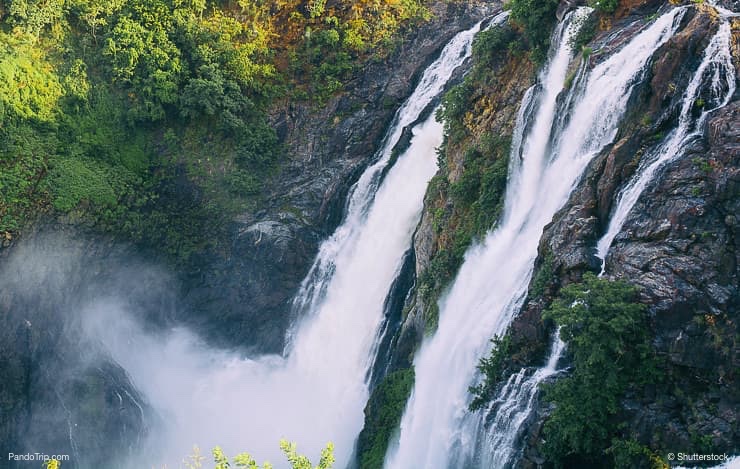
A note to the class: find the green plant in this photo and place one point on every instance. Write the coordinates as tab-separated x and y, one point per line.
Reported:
628	453
605	6
455	103
606	332
491	367
383	413
542	277
702	164
493	44
536	18
244	460
477	202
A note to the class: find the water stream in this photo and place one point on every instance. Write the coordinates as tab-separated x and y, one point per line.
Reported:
437	430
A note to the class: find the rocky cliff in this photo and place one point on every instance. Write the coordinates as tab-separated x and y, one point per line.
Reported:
236	294
250	282
678	245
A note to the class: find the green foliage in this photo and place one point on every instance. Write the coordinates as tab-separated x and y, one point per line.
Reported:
604	6
75	180
244	460
302	462
29	88
382	416
702	164
536	18
607	335
492	45
477	201
483	182
324	58
491	368
34	15
628	453
542	278
455	103
316	8
148	119
23	167
489	46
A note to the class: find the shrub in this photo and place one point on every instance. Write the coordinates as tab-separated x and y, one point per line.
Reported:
536	18
605	6
75	180
606	331
382	415
493	44
491	368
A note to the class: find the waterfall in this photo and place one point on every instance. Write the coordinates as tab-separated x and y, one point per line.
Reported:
713	81
317	390
512	408
435	77
436	429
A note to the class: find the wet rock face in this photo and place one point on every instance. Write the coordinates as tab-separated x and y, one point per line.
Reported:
243	298
59	392
679	245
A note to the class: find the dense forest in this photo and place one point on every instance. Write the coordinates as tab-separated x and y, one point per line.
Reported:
103	102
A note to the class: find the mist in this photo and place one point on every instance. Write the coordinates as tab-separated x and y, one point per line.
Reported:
185	392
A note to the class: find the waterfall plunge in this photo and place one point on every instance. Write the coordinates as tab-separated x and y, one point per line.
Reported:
317	392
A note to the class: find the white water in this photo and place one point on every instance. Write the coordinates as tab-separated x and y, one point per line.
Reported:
714	80
430	86
318	391
512	407
436	427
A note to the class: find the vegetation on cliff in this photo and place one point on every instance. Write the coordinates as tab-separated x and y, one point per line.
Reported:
607	335
382	416
150	119
465	198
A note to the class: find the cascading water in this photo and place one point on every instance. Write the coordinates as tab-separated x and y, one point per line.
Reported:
714	81
317	392
512	407
430	86
436	429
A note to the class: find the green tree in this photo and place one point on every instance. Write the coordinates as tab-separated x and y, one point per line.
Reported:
536	18
607	335
34	15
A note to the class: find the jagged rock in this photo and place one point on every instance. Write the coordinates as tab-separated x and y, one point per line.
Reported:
566	6
241	295
679	245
